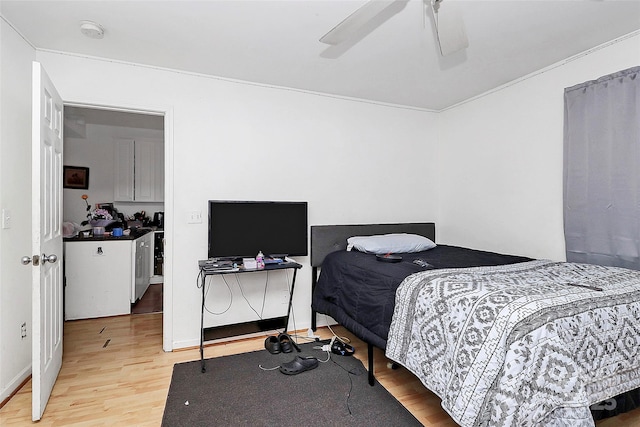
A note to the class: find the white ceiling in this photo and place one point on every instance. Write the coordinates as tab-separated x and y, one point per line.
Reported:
76	120
275	42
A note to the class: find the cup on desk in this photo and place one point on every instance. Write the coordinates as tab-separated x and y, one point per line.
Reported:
98	231
117	232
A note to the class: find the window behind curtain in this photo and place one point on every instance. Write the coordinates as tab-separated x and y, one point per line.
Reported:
602	170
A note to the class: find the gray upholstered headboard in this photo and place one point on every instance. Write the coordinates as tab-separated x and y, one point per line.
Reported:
330	238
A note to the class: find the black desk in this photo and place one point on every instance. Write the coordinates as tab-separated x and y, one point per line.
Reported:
269	267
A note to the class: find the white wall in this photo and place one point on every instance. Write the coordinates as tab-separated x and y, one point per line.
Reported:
352	161
502	159
16	57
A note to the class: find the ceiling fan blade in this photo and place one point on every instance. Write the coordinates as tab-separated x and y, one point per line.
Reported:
352	23
452	36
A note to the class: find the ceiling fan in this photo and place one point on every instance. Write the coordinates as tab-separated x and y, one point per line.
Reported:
449	26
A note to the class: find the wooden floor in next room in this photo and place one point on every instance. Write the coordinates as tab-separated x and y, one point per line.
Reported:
115	373
151	301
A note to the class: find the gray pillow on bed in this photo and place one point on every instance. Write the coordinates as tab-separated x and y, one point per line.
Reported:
390	243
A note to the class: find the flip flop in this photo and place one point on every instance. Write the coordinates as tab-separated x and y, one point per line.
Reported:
298	365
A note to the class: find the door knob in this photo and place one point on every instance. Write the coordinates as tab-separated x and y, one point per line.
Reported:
49	258
26	260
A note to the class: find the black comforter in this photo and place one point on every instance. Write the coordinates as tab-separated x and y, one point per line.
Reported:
358	291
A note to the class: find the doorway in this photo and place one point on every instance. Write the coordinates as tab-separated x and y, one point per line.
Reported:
94	138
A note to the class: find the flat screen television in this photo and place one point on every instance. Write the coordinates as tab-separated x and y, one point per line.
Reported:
240	229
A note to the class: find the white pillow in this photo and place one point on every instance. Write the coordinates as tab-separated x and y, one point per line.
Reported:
390	243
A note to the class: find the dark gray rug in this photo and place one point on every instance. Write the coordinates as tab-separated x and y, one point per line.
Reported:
234	391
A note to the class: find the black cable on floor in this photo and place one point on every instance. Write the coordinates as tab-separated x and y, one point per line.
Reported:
349	372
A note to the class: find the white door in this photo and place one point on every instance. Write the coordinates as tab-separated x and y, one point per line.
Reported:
46	239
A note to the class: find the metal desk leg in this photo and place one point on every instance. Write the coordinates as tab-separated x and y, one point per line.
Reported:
202	326
286	324
293	284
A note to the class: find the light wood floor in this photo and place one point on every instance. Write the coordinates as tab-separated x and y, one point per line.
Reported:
114	373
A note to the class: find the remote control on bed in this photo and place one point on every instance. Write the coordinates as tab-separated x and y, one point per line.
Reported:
422	263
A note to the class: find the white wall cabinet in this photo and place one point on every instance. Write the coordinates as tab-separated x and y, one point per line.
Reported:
139	174
124	169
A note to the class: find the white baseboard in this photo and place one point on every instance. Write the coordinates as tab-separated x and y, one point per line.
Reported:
178	345
15	382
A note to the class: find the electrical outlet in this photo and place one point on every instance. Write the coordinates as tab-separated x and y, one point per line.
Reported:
6	218
23	330
194	217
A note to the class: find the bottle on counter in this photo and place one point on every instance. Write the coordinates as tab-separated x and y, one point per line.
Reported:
260	260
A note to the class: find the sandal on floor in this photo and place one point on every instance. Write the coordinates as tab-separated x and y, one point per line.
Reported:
341	348
299	364
287	344
272	344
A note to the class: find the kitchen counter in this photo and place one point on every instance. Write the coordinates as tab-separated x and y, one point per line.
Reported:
134	234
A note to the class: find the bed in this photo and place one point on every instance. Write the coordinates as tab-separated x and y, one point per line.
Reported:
502	340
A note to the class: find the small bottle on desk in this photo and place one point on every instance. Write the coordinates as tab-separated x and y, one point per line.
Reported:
260	261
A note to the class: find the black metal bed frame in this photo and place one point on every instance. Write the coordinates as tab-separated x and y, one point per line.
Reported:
326	239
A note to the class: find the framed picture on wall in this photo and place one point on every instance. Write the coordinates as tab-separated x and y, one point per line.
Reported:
75	177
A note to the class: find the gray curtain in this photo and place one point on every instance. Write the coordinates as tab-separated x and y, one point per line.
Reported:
602	170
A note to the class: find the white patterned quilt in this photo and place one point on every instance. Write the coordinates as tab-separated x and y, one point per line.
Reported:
520	345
